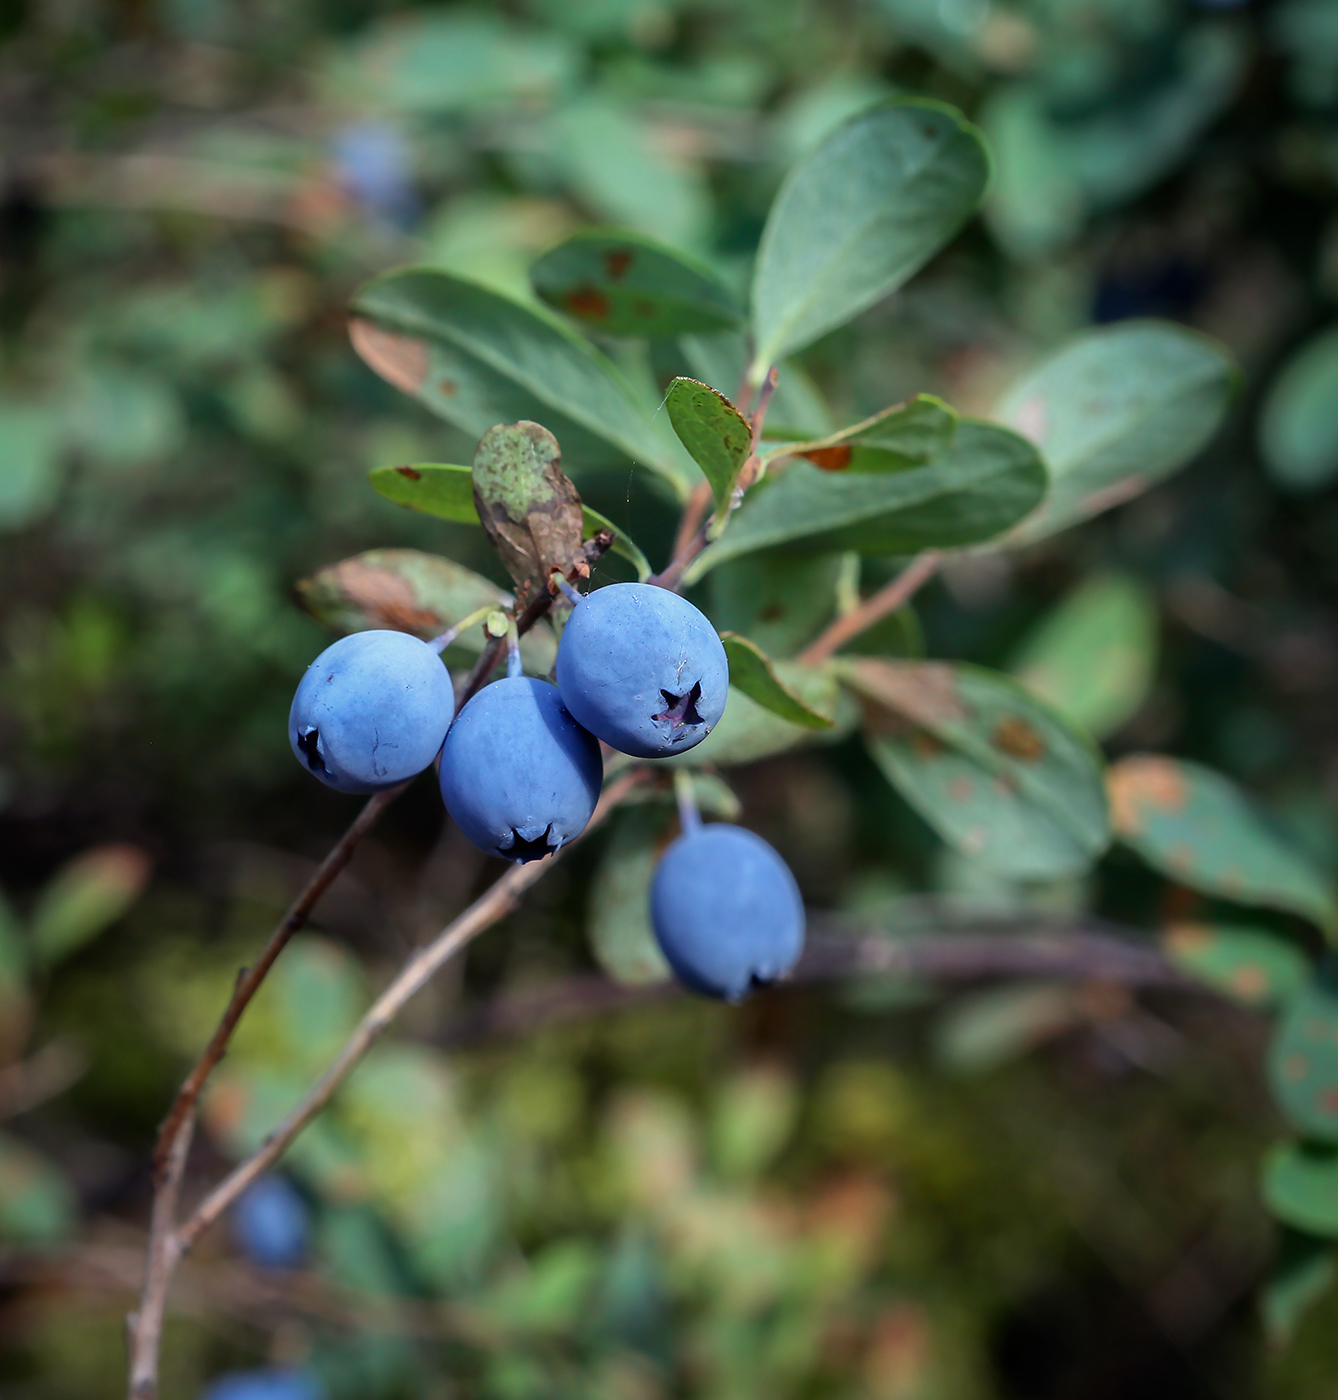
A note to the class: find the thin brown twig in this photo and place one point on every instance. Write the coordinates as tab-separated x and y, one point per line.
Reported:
494	904
876	606
173	1144
145	1327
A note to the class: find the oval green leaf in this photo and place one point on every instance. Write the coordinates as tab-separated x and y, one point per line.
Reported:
1301	1186
477	358
623	283
1197	828
997	774
1303	1058
1298	432
1254	966
752	672
987	481
859	216
1115	411
718	437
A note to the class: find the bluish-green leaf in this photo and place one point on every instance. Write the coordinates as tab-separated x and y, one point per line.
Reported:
718	437
1254	966
996	773
987	481
447	492
477	358
1303	1059
1093	655
859	216
620	282
752	672
1298	432
905	435
1196	826
1114	411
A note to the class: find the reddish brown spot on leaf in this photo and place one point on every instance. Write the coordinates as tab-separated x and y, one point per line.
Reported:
643	308
447	388
1296	1067
830	459
961	789
411	472
926	745
1187	938
618	260
589	303
1018	739
1249	981
401	360
1144	781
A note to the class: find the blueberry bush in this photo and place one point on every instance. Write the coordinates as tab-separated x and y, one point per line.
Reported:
731	426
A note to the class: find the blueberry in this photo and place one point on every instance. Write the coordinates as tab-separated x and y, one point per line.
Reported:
643	669
371	711
519	776
269	1223
726	911
276	1384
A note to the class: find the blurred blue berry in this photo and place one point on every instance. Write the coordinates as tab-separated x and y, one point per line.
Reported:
270	1223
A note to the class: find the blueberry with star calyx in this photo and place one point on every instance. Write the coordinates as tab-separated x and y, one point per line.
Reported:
726	911
642	669
371	711
519	776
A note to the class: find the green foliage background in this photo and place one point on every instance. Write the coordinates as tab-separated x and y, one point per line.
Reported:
864	1191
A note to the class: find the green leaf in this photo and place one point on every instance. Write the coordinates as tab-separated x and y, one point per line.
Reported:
1196	827
409	591
621	937
1303	1272
1254	966
721	361
1115	411
30	437
526	503
1301	1186
715	433
1303	1058
37	1204
447	492
996	773
623	283
1298	430
477	358
748	731
752	672
987	481
781	601
752	1118
1094	655
905	435
83	898
859	216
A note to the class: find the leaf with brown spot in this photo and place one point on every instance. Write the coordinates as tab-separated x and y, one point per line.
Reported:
996	773
1303	1058
624	283
409	591
1254	965
527	506
1197	827
714	432
401	360
905	435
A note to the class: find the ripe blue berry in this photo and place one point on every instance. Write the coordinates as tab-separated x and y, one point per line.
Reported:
726	911
371	711
519	776
643	669
265	1385
269	1223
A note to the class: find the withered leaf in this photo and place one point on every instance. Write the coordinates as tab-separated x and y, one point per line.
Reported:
527	505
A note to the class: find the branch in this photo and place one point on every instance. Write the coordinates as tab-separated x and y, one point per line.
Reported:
173	1144
874	608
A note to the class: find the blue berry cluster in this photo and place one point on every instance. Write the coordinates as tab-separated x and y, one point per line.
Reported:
639	668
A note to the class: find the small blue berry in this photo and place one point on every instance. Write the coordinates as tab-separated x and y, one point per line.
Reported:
519	776
642	669
270	1223
286	1384
726	911
371	711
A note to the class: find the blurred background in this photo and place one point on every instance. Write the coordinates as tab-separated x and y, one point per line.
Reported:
873	1192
